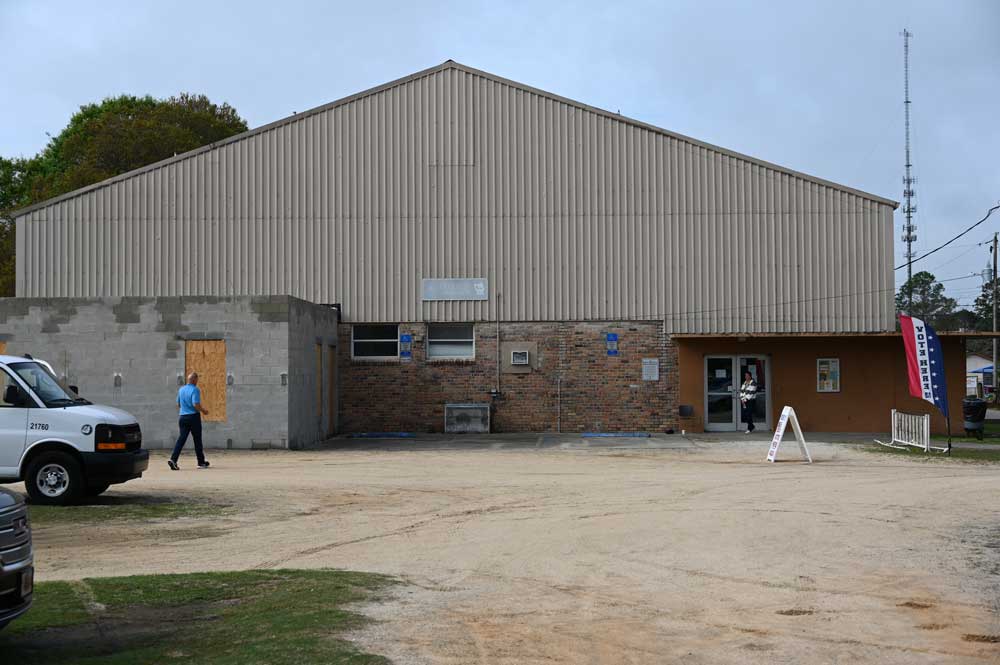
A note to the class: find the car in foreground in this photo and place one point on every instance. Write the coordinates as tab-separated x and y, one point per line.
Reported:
17	571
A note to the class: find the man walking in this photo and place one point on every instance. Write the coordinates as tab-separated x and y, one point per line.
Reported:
189	401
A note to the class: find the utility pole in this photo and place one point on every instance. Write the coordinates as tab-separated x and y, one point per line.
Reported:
994	249
909	228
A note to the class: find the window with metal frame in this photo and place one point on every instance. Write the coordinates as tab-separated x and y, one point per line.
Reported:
451	341
375	341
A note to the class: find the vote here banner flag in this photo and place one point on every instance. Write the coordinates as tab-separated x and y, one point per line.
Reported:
924	362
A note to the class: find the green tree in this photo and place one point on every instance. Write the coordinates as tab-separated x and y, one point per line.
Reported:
16	177
929	301
101	141
984	307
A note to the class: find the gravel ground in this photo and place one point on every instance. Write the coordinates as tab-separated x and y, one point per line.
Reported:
563	550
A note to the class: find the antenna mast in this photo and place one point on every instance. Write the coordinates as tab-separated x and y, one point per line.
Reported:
909	228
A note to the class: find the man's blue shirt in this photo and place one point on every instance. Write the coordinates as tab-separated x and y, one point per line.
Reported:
187	397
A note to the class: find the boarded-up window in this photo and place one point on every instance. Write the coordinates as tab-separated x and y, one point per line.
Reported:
208	358
3	348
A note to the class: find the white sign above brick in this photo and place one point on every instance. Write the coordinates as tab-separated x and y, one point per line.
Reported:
455	289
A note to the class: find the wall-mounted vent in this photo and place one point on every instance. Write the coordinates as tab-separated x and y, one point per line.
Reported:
464	418
519	357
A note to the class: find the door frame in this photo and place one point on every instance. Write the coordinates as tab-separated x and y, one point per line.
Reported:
733	368
735	358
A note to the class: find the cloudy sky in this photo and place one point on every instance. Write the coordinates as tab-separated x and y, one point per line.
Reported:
815	86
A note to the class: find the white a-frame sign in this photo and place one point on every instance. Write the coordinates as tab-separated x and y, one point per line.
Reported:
788	413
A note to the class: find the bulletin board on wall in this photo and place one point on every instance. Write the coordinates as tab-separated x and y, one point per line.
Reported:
828	375
208	358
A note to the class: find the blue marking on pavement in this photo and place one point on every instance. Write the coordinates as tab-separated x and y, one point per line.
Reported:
623	435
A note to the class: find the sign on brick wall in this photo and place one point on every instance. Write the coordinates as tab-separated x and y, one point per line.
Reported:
611	341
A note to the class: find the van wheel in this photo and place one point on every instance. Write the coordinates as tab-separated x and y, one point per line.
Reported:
54	479
96	490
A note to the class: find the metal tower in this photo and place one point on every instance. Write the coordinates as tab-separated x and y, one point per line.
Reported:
909	228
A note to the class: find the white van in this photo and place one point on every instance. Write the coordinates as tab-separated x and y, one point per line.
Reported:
63	447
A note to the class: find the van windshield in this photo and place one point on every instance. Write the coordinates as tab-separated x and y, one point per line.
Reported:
43	383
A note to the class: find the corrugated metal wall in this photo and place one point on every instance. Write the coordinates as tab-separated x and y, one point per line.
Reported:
570	213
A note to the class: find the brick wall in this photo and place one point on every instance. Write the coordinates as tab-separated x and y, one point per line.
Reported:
574	386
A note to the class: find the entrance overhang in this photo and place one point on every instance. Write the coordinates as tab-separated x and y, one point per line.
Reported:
870	381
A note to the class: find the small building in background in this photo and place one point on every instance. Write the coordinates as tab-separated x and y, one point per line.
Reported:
978	375
266	364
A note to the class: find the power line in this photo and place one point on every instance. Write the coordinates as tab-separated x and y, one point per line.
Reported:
955	279
720	310
971	248
940	247
674	315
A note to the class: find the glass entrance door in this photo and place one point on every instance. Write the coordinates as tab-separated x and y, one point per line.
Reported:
723	377
720	400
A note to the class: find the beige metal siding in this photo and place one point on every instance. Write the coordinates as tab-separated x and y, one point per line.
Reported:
572	214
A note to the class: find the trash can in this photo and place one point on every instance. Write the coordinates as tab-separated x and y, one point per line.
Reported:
974	415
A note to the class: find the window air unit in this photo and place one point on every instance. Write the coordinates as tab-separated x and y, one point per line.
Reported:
466	418
518	357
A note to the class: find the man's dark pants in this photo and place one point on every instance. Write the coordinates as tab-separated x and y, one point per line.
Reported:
747	415
189	424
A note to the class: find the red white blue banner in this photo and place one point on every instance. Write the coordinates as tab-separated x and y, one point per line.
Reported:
924	362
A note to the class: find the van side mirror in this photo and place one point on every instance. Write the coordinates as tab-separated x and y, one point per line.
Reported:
75	389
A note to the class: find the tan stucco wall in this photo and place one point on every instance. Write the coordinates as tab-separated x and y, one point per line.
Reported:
873	380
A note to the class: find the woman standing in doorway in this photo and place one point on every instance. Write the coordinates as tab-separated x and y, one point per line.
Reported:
748	397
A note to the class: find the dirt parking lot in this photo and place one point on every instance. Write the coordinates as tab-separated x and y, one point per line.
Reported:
564	550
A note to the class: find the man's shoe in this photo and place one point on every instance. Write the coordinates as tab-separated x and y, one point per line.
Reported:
203	465
173	465
747	432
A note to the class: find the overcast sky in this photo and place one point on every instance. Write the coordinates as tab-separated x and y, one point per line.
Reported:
815	86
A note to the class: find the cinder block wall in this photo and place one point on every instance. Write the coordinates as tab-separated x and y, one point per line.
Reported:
573	386
89	341
310	416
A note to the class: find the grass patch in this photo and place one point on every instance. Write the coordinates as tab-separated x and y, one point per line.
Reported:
55	606
956	453
280	617
991	434
104	509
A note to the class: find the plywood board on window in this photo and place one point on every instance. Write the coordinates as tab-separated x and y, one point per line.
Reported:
3	348
208	358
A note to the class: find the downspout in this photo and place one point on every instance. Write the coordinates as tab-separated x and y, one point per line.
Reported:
497	389
496	284
663	356
559	403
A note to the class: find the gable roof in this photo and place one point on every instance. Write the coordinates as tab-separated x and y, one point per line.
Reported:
451	64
